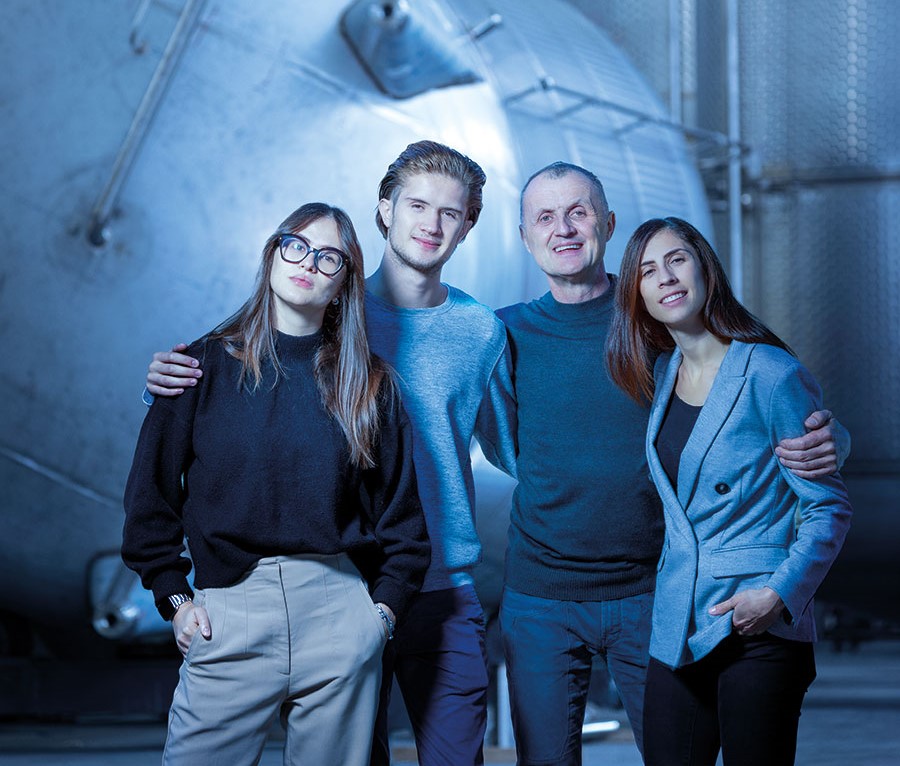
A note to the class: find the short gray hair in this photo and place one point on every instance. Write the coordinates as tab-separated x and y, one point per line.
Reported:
558	170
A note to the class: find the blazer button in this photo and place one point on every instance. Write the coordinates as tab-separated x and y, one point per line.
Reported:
722	488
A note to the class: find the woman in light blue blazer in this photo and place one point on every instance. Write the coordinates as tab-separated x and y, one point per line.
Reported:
747	542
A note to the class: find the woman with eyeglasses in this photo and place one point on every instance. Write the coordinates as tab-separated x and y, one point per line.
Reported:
289	470
747	542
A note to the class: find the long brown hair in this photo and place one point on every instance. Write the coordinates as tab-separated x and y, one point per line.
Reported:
347	375
636	339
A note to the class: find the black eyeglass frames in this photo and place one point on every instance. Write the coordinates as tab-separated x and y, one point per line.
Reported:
295	249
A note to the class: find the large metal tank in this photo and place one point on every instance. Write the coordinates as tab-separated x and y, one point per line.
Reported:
267	107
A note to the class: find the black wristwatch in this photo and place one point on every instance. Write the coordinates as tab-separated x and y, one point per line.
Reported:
169	605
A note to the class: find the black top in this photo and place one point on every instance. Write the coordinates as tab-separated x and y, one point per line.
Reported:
674	433
244	475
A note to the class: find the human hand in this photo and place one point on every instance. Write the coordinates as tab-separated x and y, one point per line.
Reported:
754	610
812	455
171	372
188	619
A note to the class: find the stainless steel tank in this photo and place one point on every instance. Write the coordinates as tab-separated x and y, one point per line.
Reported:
264	108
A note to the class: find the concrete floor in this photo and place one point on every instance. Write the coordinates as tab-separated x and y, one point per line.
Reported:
851	718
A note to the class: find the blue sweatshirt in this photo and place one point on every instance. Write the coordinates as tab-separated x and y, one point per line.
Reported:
454	373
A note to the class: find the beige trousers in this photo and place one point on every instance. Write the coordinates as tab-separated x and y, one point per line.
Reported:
298	636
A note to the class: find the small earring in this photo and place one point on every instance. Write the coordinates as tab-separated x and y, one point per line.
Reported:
336	302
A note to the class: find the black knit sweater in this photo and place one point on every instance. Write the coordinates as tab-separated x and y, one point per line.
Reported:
244	475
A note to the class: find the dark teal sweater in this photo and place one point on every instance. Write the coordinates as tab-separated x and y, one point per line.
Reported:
586	522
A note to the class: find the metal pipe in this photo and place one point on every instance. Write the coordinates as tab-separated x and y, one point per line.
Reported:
114	615
488	25
829	176
138	46
120	607
98	234
735	217
60	479
676	88
505	738
583	100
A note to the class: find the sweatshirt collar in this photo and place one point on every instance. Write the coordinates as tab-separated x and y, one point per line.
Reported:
297	346
574	311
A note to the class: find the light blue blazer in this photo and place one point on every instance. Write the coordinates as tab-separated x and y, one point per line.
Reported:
740	520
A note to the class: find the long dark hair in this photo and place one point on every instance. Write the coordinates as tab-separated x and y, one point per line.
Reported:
636	339
347	375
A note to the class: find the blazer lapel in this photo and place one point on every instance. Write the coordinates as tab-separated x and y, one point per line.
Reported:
664	389
722	396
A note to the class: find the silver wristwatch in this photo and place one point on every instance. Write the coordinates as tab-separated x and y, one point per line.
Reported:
175	601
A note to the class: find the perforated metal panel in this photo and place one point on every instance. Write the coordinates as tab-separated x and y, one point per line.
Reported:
825	76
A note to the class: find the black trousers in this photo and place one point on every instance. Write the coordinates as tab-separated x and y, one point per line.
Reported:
438	656
744	697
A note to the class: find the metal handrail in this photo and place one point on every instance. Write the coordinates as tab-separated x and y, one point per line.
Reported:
101	212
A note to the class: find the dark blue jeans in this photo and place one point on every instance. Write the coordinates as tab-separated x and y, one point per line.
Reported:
438	657
549	646
744	696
